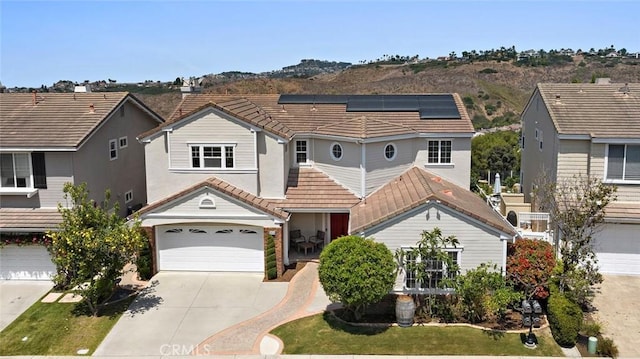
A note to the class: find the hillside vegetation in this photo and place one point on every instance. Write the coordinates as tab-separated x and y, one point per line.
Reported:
493	91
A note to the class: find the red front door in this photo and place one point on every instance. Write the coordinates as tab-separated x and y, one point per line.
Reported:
339	225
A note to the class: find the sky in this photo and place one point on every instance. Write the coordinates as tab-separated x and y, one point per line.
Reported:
42	42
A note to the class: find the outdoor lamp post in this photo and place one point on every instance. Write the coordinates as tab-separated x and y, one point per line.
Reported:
531	311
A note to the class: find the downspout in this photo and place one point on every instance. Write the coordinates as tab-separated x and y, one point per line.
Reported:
363	169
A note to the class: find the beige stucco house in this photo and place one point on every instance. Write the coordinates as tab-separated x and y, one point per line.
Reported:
590	130
226	171
49	139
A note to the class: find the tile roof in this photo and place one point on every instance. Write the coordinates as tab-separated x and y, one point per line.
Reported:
227	189
414	188
599	110
55	119
311	188
35	219
286	120
623	211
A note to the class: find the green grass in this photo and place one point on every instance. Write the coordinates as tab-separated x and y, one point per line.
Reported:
323	334
58	329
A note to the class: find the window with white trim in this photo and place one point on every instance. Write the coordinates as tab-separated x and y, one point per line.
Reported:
113	149
434	271
23	170
301	151
336	151
390	152
207	202
212	156
128	196
623	162
439	151
123	142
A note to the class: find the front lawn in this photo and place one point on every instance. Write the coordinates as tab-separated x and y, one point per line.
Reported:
323	334
58	329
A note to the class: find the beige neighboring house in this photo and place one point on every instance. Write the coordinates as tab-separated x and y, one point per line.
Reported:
594	130
48	139
227	171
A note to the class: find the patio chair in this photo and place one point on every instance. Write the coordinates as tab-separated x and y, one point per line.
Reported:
296	238
318	239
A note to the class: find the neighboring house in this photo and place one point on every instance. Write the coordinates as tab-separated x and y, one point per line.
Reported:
590	130
226	171
48	139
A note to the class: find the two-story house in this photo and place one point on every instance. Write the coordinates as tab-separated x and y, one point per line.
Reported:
49	139
590	130
226	171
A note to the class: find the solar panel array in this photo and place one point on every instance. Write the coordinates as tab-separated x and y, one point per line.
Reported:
428	106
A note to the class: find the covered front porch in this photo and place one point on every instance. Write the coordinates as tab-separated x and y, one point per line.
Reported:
306	234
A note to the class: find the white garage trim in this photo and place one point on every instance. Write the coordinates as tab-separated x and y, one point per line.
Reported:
32	262
617	247
207	248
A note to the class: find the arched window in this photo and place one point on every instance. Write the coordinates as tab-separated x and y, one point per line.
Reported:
207	202
336	151
512	218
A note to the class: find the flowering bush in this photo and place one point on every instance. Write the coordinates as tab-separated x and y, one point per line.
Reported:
530	264
24	239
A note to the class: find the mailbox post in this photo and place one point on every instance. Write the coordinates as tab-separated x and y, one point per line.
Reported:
531	311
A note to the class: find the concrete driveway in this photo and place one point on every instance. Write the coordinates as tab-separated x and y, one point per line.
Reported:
618	310
16	296
180	310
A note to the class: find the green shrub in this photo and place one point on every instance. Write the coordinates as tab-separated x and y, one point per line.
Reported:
271	263
488	71
565	319
591	329
144	261
606	347
356	272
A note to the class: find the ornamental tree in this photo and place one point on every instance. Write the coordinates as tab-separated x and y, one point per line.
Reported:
577	209
92	246
356	272
530	265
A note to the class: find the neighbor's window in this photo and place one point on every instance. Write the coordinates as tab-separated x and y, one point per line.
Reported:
336	151
301	151
623	162
123	142
212	156
390	151
128	196
113	149
439	151
434	271
23	170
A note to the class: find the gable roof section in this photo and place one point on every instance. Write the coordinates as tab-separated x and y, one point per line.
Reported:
287	120
414	188
311	188
57	120
238	107
226	189
597	110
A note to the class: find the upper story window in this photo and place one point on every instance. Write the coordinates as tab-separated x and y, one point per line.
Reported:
302	154
439	151
123	142
390	151
336	151
23	170
623	162
128	196
113	149
212	156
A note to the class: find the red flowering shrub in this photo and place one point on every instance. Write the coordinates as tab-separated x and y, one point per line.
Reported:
24	239
530	264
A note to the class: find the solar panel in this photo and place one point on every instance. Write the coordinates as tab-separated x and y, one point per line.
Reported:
441	106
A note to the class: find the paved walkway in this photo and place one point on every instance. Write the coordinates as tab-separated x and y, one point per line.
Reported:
302	299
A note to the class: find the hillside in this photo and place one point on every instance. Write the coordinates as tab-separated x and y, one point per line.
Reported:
495	90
